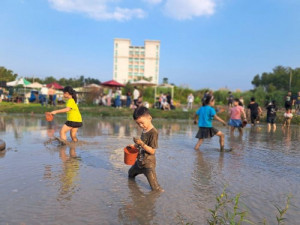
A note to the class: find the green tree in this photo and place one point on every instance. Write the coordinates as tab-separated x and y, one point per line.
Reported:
7	75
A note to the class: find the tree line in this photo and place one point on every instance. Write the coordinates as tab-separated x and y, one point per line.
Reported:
8	75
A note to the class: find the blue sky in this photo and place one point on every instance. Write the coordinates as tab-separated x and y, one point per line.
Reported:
204	43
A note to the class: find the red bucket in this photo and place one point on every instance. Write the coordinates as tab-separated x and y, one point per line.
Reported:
130	155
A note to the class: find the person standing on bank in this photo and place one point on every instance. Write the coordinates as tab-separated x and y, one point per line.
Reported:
74	120
190	100
136	95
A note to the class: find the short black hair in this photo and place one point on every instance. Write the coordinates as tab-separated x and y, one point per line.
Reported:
236	100
252	99
140	111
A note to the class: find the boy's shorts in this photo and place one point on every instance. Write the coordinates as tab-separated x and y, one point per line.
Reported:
271	120
235	123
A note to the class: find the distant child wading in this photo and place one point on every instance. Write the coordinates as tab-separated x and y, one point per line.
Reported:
235	116
147	145
74	120
206	114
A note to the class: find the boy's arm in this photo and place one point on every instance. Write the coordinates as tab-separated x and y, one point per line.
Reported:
67	109
147	148
219	119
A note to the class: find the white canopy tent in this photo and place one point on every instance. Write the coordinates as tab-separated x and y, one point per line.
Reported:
20	81
143	83
34	85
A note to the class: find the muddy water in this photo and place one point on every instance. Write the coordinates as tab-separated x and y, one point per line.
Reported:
87	184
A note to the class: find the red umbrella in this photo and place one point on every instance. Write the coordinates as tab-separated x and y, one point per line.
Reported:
112	83
55	85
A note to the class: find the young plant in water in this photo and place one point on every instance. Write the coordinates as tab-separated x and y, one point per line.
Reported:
223	212
227	211
280	217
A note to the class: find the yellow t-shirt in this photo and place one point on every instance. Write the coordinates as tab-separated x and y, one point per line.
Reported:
74	114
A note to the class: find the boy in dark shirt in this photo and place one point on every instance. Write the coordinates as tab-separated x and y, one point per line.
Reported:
255	110
271	115
147	145
288	101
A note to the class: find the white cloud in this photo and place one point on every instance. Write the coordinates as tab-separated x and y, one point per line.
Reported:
187	9
97	9
109	9
153	1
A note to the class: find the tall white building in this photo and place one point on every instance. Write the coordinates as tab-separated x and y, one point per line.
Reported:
133	62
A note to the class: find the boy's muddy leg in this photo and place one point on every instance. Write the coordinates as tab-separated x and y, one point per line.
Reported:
221	140
197	146
73	132
152	179
63	132
134	171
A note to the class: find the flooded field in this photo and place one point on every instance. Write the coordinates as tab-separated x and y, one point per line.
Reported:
87	184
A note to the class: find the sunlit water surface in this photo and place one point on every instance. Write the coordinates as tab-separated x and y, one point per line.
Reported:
87	184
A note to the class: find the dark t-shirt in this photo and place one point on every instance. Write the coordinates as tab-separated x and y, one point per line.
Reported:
169	99
271	110
145	159
298	100
253	108
230	99
288	100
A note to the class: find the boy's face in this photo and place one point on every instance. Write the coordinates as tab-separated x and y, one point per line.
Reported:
235	103
144	122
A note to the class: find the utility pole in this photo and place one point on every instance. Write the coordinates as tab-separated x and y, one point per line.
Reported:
290	83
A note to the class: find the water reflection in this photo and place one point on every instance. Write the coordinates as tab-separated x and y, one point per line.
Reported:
70	173
68	177
202	172
140	208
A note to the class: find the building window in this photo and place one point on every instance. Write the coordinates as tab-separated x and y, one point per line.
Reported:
130	52
130	66
116	45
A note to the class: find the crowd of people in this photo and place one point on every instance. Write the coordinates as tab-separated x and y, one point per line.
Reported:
133	100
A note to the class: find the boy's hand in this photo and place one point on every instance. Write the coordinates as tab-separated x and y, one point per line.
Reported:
53	112
138	141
